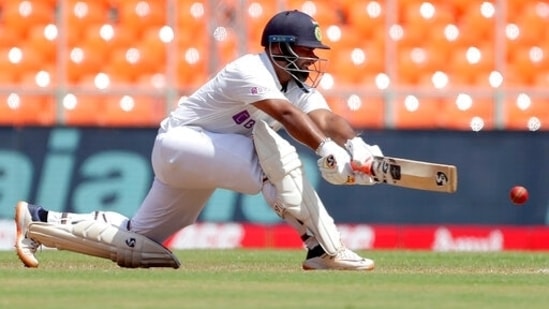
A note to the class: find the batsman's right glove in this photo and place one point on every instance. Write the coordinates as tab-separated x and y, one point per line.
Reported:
335	163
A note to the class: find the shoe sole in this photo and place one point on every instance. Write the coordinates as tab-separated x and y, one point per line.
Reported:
20	210
307	267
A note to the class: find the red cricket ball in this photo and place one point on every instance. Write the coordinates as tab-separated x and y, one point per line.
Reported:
518	195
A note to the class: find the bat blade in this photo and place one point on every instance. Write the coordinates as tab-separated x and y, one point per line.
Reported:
413	174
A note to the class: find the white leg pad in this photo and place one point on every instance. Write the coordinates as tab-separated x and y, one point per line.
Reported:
100	239
289	192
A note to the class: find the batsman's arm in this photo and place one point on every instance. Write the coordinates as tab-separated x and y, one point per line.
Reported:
334	163
334	126
300	126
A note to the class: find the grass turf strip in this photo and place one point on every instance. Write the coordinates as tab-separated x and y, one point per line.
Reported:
273	279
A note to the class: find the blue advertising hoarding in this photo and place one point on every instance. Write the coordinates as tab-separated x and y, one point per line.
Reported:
85	169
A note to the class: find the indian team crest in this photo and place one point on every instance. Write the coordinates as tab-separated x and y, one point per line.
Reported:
318	33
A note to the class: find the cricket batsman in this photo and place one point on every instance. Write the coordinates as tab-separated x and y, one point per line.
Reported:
224	136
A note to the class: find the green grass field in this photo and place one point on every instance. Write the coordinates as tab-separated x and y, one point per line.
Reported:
273	279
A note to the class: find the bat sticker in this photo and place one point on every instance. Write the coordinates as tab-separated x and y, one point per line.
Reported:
441	179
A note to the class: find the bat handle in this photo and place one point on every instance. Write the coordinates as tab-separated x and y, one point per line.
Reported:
362	168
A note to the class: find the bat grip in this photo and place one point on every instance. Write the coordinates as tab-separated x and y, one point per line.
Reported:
362	168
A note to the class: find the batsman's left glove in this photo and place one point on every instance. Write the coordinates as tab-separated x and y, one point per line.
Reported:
362	155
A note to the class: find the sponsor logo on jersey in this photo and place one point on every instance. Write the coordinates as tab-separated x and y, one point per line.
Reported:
258	90
241	117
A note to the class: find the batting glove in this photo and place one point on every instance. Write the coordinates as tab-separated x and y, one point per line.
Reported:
362	156
334	163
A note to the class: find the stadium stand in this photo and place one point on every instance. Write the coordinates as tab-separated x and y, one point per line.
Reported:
524	112
418	113
492	55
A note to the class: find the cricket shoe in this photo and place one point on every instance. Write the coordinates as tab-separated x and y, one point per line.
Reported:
343	260
25	247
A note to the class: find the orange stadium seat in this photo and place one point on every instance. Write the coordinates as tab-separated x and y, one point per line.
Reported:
18	61
80	15
344	67
142	14
541	79
10	37
44	78
83	109
124	64
20	109
86	106
50	3
192	68
532	22
525	112
444	38
417	61
21	15
191	18
344	37
352	65
133	110
360	111
154	46
468	62
459	7
413	112
157	81
6	78
105	38
374	81
7	65
488	80
528	61
518	37
82	61
184	42
465	112
144	58
32	60
323	12
257	15
406	36
514	9
44	38
225	42
425	15
512	77
368	17
430	80
417	19
477	24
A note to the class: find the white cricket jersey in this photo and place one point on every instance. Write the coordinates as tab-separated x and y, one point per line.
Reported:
223	104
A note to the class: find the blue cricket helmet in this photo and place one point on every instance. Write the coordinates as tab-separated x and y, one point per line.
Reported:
293	27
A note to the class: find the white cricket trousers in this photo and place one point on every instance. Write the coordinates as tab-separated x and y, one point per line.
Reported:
189	164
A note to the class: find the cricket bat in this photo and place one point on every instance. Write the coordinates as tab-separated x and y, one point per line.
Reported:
412	174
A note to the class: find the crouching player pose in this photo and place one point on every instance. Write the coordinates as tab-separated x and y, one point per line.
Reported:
224	136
